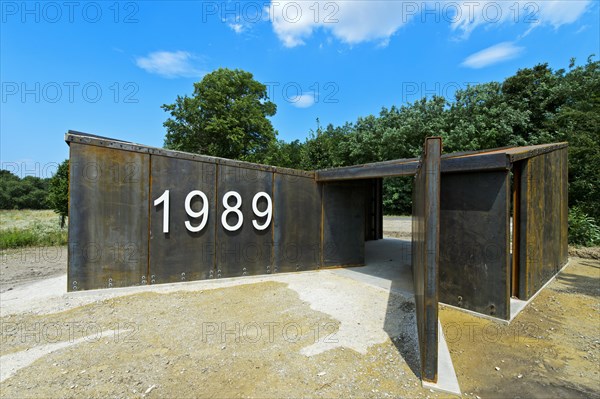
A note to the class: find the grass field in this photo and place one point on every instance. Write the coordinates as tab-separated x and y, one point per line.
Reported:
26	228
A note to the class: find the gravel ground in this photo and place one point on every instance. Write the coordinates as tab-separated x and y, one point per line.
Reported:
282	336
26	265
397	227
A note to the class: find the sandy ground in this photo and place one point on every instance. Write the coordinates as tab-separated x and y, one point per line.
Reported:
297	335
25	265
292	335
551	349
397	227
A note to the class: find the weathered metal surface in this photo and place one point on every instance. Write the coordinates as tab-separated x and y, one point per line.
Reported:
297	224
91	139
543	215
474	242
181	254
564	206
425	254
519	153
493	159
108	218
343	223
246	251
516	231
399	167
374	210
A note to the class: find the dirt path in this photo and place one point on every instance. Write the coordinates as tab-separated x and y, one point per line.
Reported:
551	349
253	340
25	265
271	338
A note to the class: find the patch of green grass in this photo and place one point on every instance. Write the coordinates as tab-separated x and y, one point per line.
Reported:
29	228
32	237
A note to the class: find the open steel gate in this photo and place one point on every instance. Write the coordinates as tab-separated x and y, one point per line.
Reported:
425	254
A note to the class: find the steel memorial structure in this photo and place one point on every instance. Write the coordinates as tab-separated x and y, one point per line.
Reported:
140	215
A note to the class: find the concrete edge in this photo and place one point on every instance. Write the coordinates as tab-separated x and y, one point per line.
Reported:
523	304
447	381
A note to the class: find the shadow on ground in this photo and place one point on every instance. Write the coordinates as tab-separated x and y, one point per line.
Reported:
389	267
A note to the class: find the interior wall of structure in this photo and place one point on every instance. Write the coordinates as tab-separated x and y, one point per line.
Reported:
543	220
474	242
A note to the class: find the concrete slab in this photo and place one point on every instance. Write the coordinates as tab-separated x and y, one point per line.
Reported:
447	380
388	266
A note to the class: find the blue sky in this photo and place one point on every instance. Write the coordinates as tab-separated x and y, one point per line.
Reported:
106	67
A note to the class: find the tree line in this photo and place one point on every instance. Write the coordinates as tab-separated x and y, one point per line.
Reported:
227	116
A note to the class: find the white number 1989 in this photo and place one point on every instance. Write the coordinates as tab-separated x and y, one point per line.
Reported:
203	213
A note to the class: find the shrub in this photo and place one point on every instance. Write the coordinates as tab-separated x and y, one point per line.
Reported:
582	228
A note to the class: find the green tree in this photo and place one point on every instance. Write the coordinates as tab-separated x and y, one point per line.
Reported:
578	121
227	116
58	191
286	155
326	148
481	118
26	193
537	93
8	182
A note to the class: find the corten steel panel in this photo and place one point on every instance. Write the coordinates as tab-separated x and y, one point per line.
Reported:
344	223
108	218
90	139
379	209
180	254
543	230
297	223
425	255
474	242
374	213
246	251
564	206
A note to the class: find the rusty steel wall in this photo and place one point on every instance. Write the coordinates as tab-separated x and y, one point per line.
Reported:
108	218
180	254
425	254
474	242
297	223
374	210
543	220
344	223
122	232
246	251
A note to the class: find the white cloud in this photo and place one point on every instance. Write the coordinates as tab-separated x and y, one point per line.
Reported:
170	64
237	28
303	100
349	21
357	21
471	14
492	55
